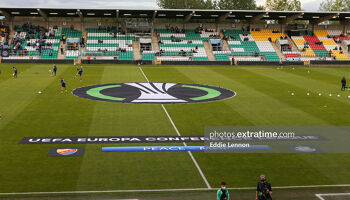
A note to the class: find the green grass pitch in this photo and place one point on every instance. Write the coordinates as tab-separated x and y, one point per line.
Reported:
263	98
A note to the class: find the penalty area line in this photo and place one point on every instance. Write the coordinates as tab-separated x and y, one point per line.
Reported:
320	196
178	133
180	190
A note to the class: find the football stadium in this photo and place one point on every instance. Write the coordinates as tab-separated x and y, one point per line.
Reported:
174	104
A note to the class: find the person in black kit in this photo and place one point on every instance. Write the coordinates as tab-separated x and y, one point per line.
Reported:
263	190
222	193
63	85
15	72
54	69
343	83
80	72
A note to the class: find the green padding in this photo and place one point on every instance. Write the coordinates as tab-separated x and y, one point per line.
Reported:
200	58
211	93
181	45
96	92
102	45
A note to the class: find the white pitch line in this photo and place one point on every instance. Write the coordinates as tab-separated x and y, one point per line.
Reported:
320	197
178	133
144	75
331	194
189	153
171	190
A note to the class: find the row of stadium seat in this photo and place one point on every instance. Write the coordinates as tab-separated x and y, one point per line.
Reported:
29	39
110	43
191	41
242	43
319	44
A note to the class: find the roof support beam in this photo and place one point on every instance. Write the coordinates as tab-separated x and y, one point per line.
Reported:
255	19
7	15
43	14
322	19
223	17
188	17
154	15
117	15
80	15
290	18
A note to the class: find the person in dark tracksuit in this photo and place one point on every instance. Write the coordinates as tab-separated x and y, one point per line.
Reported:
54	69
263	190
343	83
222	193
15	71
80	72
63	85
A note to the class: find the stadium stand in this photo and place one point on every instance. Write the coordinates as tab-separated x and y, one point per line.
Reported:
110	42
143	39
175	43
148	55
319	44
249	45
72	38
29	40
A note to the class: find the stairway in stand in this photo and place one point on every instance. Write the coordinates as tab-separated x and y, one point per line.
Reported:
155	44
345	50
136	50
224	42
294	46
208	51
278	51
61	56
84	35
11	36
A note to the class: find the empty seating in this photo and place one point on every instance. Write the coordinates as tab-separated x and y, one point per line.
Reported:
320	43
110	43
148	55
250	45
184	43
265	34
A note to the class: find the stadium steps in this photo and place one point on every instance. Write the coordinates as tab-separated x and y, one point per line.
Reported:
84	35
61	56
136	50
224	42
155	44
208	51
294	46
12	33
123	27
344	50
279	53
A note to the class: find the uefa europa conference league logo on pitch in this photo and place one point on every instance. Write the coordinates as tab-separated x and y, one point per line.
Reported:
153	93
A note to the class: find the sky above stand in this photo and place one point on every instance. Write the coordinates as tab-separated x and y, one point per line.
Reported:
308	5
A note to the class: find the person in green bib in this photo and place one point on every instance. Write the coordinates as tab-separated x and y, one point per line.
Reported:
263	190
222	193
